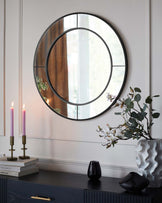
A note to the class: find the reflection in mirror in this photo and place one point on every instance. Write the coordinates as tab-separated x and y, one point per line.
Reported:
83	52
107	33
78	61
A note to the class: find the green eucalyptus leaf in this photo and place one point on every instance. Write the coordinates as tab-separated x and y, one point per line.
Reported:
148	100
128	134
134	115
143	113
137	136
136	89
156	115
117	113
140	116
133	126
145	107
131	120
137	98
129	104
127	110
127	101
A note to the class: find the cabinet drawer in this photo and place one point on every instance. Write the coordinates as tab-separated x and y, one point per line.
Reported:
19	191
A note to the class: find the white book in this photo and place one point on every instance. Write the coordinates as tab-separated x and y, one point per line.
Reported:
17	168
21	173
19	162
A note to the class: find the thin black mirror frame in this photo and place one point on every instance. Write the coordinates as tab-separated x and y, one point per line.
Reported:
125	57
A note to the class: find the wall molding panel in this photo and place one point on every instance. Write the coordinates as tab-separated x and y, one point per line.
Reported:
20	54
2	65
82	167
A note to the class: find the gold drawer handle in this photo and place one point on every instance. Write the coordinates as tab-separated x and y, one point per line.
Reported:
41	198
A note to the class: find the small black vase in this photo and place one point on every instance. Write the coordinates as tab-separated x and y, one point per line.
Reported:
94	170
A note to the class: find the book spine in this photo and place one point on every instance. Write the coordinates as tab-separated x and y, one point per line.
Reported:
18	163
19	174
12	168
9	173
17	168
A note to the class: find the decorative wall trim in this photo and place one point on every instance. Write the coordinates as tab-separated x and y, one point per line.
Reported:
148	42
150	46
4	75
148	59
121	142
2	56
81	167
20	50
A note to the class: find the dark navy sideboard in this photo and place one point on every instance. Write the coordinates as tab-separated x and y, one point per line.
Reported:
58	187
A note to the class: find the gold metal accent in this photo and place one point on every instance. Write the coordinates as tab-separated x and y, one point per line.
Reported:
24	148
24	139
12	150
41	198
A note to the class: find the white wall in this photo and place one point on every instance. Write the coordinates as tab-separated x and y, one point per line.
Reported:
63	144
2	35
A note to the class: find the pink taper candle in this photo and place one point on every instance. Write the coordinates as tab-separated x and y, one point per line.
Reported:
24	120
12	119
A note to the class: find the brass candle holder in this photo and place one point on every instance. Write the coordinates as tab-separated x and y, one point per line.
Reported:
12	150
24	148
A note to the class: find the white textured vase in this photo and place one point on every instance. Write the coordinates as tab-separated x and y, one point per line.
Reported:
149	160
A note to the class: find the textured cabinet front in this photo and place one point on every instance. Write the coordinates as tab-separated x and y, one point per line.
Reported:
57	187
3	189
19	191
108	197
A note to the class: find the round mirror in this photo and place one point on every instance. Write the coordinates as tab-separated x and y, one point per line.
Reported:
79	60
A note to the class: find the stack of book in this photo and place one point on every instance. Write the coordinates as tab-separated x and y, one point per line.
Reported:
18	168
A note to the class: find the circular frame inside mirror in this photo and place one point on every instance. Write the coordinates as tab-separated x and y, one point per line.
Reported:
79	60
103	77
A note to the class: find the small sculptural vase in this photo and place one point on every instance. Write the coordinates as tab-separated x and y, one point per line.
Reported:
94	170
149	160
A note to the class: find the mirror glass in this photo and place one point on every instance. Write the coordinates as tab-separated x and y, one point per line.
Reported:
79	60
85	52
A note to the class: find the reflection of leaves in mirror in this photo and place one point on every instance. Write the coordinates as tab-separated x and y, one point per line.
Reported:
42	86
57	110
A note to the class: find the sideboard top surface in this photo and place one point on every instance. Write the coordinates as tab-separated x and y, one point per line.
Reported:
80	181
72	180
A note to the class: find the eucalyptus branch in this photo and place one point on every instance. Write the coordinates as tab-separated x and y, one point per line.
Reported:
139	105
137	121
